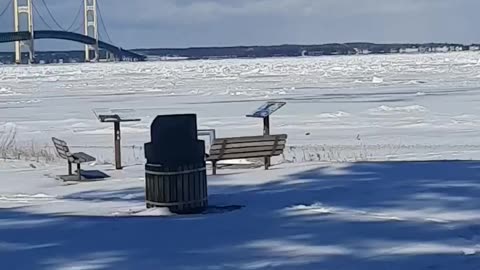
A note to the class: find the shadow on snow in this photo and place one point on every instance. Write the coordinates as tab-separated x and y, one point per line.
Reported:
392	215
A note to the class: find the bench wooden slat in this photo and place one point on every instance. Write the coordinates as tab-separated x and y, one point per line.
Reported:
62	154
251	139
82	157
246	155
216	147
247	149
62	149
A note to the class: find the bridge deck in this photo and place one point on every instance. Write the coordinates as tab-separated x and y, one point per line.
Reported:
64	35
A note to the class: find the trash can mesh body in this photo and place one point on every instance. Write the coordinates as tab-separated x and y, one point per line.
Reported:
175	173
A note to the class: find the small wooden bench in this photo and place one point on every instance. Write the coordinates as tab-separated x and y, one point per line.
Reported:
72	158
246	147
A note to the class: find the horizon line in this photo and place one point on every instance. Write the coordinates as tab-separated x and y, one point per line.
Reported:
277	45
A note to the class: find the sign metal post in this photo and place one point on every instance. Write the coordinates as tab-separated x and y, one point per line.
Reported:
116	117
265	111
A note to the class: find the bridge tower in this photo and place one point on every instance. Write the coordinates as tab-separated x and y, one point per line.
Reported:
21	7
91	28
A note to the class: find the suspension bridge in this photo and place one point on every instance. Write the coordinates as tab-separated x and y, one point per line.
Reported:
24	34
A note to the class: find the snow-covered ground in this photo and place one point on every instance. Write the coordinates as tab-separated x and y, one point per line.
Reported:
308	212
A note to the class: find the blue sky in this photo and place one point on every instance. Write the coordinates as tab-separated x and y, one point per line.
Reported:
184	23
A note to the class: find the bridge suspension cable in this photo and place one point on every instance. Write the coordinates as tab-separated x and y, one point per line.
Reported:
79	25
6	8
51	15
35	9
103	22
78	28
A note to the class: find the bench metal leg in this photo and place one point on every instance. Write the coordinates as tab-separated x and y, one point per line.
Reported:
267	163
69	168
79	171
266	132
214	167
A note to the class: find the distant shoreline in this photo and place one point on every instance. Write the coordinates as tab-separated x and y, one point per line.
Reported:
249	52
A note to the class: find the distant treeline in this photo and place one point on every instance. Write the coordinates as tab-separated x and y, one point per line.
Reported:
262	51
295	50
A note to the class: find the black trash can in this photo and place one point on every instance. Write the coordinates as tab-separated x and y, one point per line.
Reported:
175	173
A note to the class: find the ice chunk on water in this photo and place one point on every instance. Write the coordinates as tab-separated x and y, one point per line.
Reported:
404	109
338	114
377	80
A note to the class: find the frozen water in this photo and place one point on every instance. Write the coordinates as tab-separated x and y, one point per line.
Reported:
332	99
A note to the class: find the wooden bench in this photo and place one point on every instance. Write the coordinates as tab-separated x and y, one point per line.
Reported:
72	158
246	147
